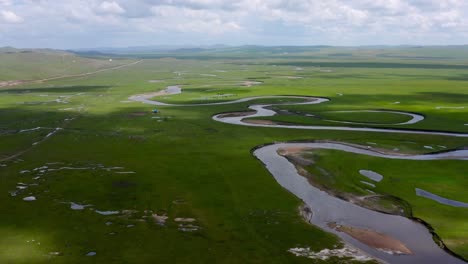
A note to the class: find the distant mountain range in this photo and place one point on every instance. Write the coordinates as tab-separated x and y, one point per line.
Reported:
252	51
9	49
205	48
152	49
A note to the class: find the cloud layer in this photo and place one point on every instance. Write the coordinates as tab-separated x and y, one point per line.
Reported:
91	23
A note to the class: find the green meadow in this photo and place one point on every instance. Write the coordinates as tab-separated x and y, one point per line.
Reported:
115	155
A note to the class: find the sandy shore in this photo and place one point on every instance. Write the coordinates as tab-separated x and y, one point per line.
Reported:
374	239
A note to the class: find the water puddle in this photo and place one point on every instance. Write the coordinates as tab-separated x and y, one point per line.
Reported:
38	177
368	184
75	206
29	198
107	212
449	107
188	228
30	129
440	199
371	175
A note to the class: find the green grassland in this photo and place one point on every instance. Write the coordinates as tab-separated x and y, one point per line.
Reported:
365	117
39	64
187	165
329	117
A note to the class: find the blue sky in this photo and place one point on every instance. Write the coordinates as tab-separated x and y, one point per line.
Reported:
120	23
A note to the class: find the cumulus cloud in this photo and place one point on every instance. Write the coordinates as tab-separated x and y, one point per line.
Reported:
339	22
111	8
10	17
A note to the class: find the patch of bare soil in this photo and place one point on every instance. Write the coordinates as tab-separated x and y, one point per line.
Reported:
135	114
11	83
160	219
291	150
250	83
295	155
236	114
374	239
260	122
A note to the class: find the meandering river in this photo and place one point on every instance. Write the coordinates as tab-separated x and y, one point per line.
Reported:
326	208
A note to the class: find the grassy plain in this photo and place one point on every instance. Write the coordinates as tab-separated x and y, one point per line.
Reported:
187	165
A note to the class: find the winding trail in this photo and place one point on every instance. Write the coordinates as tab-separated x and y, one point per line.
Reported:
329	209
15	83
18	154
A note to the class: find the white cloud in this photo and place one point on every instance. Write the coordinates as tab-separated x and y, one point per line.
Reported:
10	17
169	18
341	22
5	2
111	8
